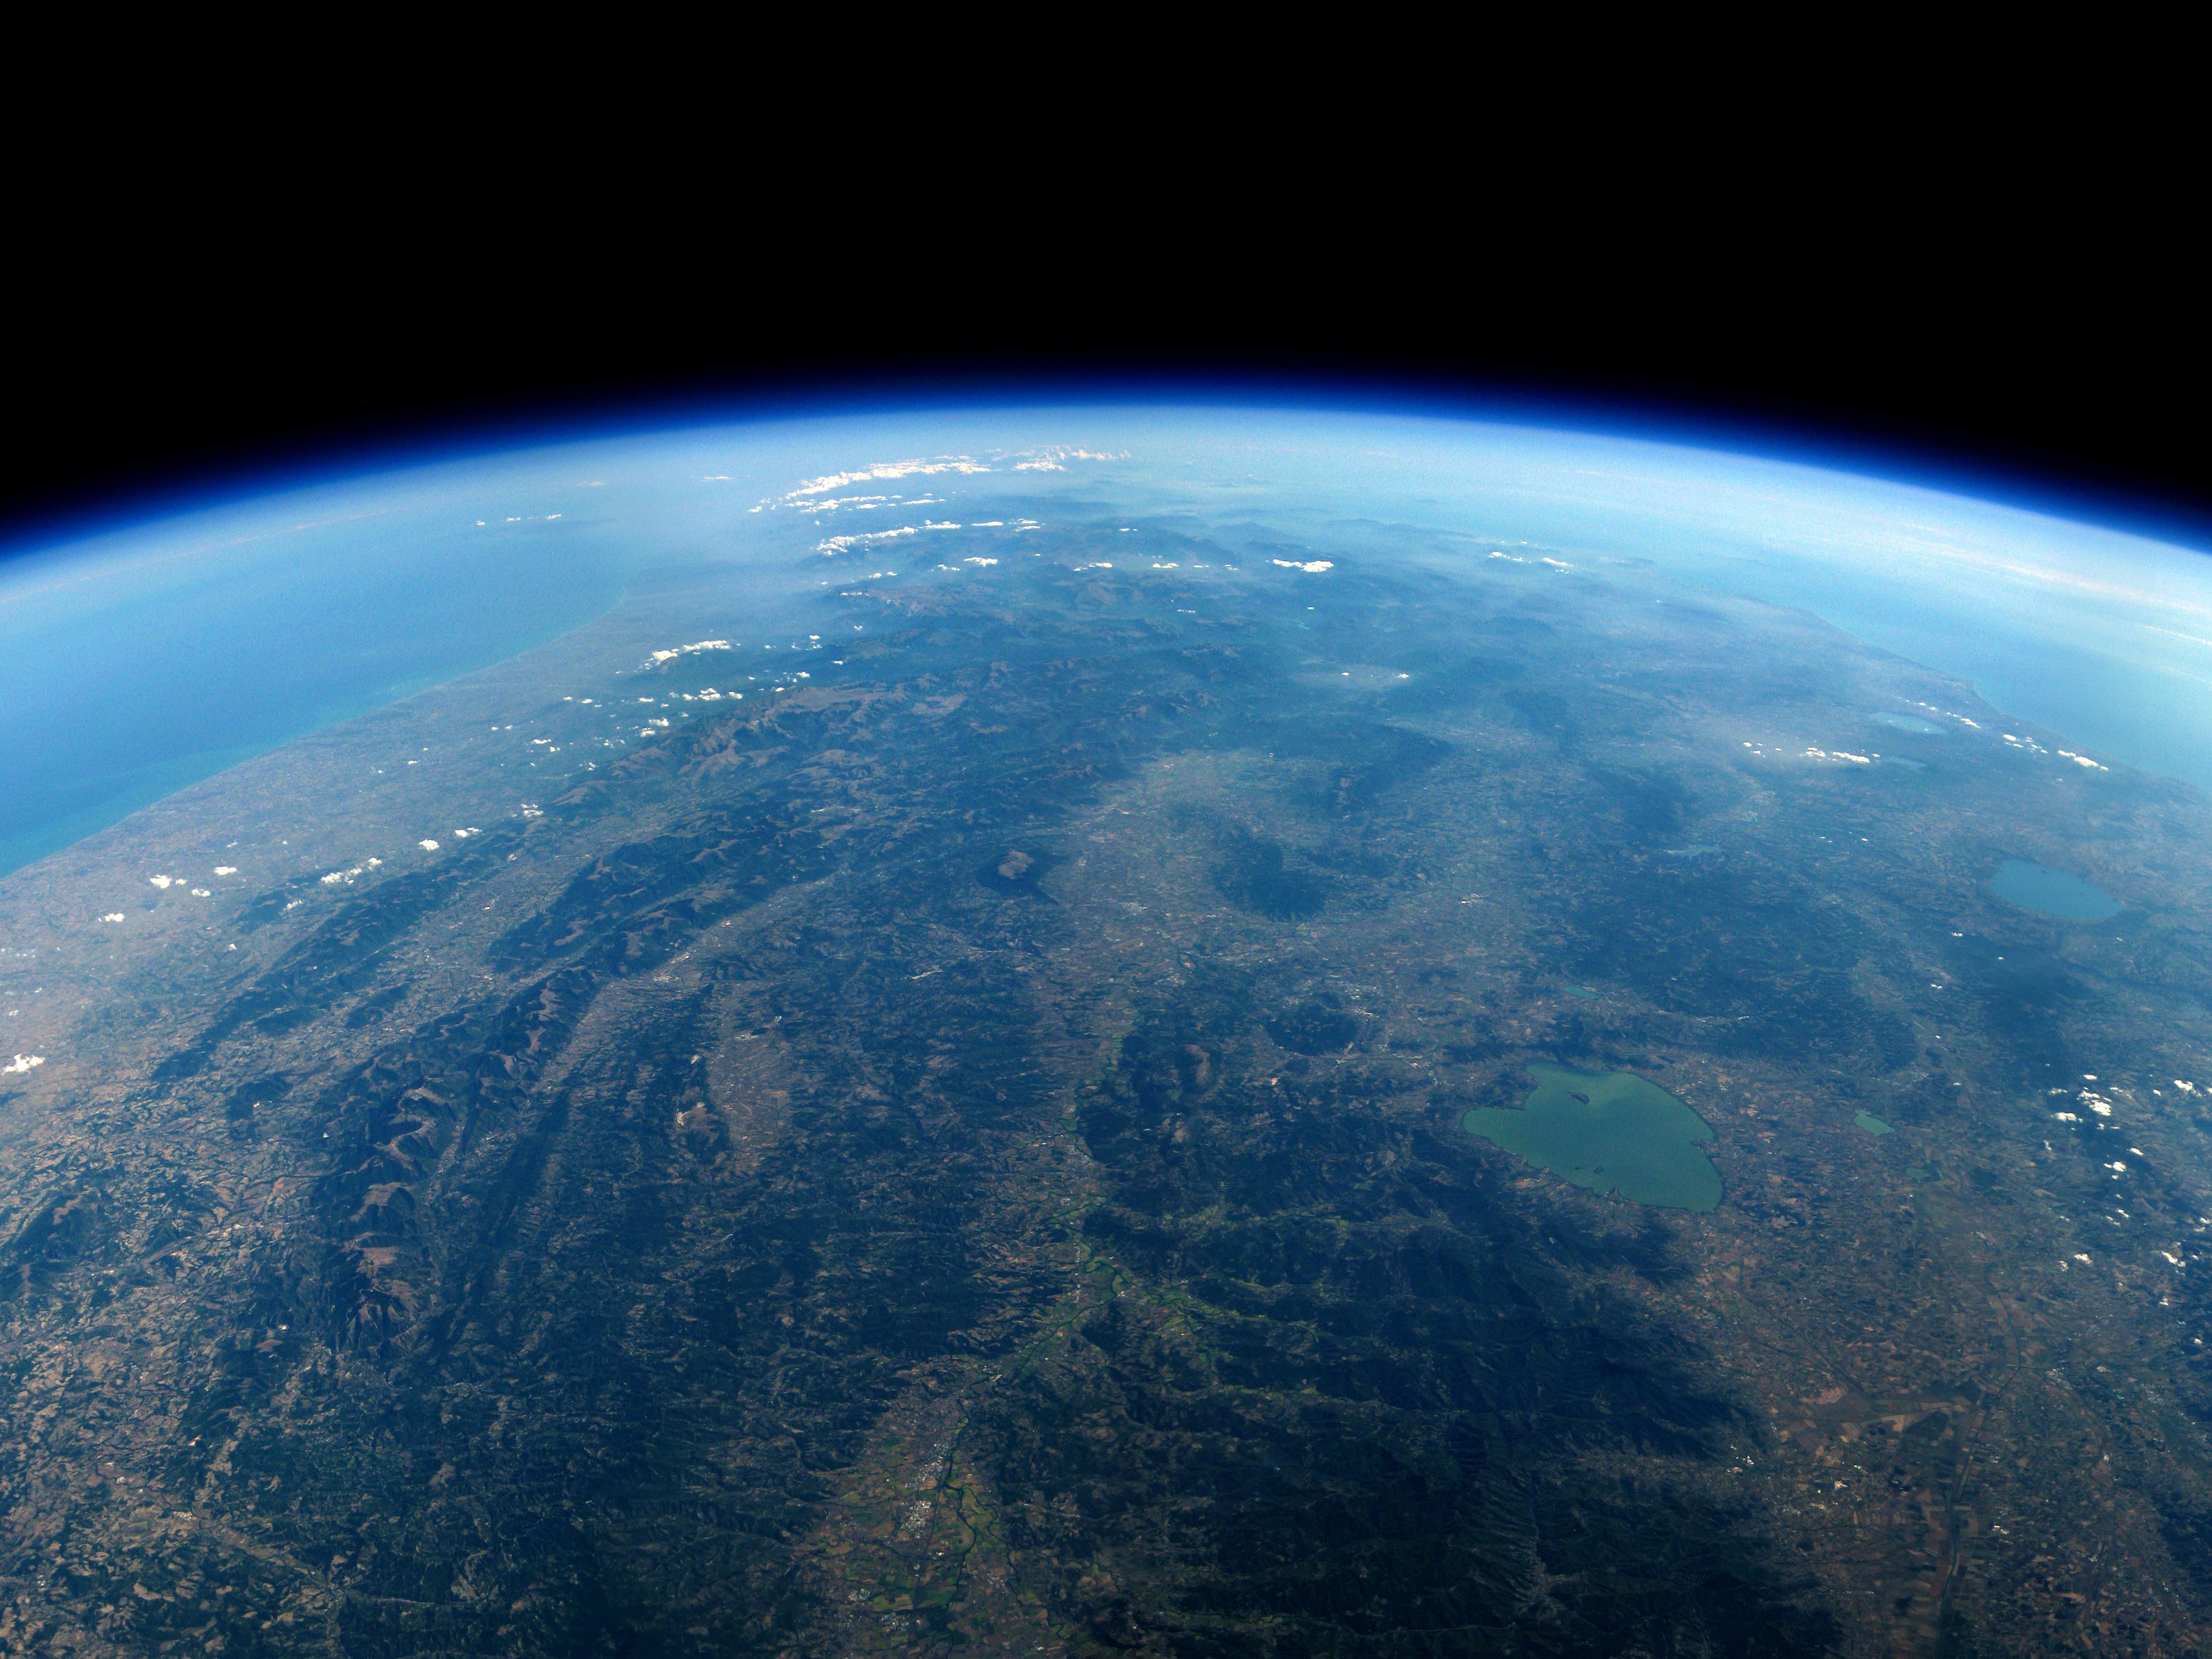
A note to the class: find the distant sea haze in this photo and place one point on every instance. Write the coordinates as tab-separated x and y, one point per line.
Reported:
136	663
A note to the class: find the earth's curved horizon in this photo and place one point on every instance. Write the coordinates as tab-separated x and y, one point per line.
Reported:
866	1033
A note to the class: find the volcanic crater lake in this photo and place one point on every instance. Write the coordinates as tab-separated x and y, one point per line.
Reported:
1608	1132
1911	723
2051	892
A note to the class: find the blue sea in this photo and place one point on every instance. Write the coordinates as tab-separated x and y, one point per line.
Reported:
131	673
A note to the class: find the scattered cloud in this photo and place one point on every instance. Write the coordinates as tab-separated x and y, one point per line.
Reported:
907	469
675	651
1056	460
831	546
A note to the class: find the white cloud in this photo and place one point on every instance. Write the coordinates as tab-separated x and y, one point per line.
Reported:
163	881
112	915
427	846
1055	458
907	469
676	651
1310	564
225	869
832	546
23	1063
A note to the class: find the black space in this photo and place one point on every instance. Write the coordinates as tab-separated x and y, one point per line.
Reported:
2037	358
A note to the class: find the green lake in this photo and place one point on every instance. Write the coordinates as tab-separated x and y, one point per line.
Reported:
1609	1132
1870	1123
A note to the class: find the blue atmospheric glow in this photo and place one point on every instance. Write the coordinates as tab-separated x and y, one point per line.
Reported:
140	657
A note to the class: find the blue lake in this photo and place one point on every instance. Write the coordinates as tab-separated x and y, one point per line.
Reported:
2051	892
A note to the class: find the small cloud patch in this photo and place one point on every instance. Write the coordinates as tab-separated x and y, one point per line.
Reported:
673	651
